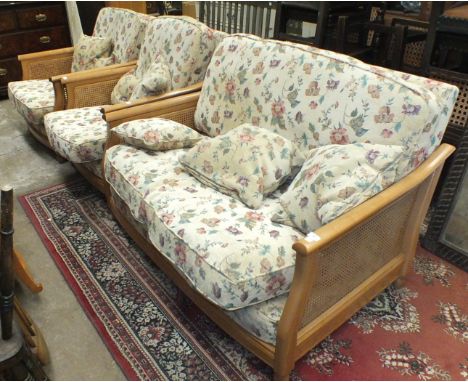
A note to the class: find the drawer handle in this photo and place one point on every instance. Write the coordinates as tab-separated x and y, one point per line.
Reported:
44	39
3	72
41	17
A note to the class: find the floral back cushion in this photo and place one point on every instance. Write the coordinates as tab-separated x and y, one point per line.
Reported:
157	134
92	52
248	162
315	97
125	28
336	178
183	43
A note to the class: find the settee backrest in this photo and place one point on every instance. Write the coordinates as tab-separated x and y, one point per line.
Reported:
125	28
316	97
182	43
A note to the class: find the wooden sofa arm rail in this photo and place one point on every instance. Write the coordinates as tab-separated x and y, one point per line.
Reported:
93	74
47	54
143	101
343	224
152	109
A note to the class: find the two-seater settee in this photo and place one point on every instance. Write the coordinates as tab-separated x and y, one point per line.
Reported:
277	288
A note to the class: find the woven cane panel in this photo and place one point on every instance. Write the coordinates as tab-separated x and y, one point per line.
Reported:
42	70
94	94
356	256
185	117
459	115
414	54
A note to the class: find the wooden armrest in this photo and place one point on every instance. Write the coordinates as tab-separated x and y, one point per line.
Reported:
343	224
143	101
42	65
152	109
90	87
46	54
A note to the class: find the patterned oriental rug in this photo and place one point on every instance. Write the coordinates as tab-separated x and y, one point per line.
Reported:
418	332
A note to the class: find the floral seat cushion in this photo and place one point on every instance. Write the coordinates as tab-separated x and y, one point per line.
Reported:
78	135
32	99
233	255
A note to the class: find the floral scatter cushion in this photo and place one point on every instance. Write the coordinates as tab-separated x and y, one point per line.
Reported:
131	87
124	88
336	178
155	81
248	162
92	52
157	134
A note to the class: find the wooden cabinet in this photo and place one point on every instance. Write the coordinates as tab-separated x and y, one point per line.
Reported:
27	27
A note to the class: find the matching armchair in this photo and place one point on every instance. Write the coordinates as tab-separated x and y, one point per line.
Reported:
34	97
281	275
172	61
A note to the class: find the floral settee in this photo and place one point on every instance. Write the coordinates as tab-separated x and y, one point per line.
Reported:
280	282
34	97
173	58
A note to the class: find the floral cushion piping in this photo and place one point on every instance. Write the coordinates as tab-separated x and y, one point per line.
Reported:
78	135
92	52
248	161
157	134
336	178
231	254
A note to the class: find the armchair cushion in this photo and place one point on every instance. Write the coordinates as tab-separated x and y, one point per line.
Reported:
156	80
78	135
92	52
32	99
249	162
336	178
157	134
124	88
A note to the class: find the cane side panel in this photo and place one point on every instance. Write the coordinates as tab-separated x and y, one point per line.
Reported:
94	94
357	255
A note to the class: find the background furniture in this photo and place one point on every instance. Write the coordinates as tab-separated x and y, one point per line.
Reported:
27	27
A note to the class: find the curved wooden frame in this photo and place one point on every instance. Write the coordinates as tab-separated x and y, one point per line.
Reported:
294	337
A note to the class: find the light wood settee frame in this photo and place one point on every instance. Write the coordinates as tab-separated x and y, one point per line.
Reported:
356	257
87	88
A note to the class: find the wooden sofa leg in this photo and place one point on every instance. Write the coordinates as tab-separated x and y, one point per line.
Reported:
277	376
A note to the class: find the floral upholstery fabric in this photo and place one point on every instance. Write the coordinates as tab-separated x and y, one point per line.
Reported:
156	80
157	134
315	97
231	254
336	178
261	319
124	88
125	28
91	52
248	162
78	135
32	99
183	44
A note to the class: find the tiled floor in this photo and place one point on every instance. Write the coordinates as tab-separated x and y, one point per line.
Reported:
76	350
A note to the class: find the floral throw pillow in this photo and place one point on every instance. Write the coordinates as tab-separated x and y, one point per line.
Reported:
157	134
92	52
156	80
248	162
336	178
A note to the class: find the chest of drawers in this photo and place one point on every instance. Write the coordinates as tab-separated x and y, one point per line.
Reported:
27	27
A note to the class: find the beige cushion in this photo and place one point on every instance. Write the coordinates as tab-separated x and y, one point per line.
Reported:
92	52
130	87
157	134
336	178
248	162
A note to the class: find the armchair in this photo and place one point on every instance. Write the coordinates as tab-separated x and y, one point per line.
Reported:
182	45
34	97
